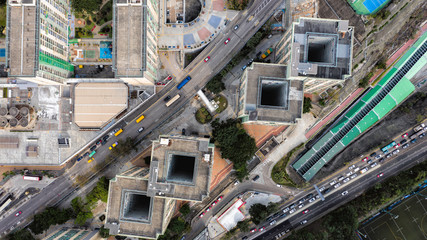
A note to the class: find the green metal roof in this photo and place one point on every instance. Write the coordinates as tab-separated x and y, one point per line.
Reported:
402	89
385	106
387	77
367	121
297	165
354	132
339	125
416	68
371	94
354	110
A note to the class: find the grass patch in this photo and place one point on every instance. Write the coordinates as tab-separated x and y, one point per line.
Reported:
222	103
84	33
278	174
2	20
203	116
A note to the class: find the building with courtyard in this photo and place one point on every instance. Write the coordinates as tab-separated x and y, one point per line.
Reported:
267	96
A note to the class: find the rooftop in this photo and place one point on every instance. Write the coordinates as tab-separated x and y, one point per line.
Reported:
130	34
321	48
22	40
180	168
131	211
96	103
270	96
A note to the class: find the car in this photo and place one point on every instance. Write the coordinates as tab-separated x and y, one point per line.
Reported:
207	58
301	205
169	77
105	138
208	209
322	188
167	98
301	200
93	147
373	154
292	205
278	185
365	159
245	238
86	154
286	210
253	230
90	160
381	160
405	135
99	142
236	182
326	190
226	41
312	199
364	170
219	198
349	173
79	158
405	146
333	183
344	193
422	135
403	141
337	185
388	155
353	176
413	140
374	164
113	145
370	161
236	27
395	152
380	175
244	67
261	229
346	180
351	167
305	211
292	210
255	178
303	222
356	169
140	129
309	196
273	222
18	213
214	203
317	196
397	146
378	156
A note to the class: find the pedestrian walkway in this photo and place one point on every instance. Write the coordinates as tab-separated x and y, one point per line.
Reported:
198	33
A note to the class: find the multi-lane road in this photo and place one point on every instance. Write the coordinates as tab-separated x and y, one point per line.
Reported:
154	109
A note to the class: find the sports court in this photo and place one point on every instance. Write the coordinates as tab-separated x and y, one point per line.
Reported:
411	221
367	7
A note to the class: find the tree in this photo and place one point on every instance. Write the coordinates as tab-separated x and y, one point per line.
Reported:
243	225
215	85
50	216
104	232
381	64
307	105
185	210
88	6
82	217
234	143
22	234
258	212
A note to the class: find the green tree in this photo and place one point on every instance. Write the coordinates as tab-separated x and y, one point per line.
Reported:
88	6
234	143
215	85
22	234
50	216
244	225
82	217
185	210
104	232
381	64
258	212
307	105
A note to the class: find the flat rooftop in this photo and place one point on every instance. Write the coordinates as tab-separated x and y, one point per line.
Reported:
270	96
178	168
95	104
321	48
131	212
129	40
22	40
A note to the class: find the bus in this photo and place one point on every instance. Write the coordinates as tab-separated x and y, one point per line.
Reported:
118	132
5	204
170	102
140	119
91	154
31	178
390	145
185	81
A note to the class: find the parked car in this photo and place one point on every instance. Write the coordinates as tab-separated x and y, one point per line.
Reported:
93	147
344	193
255	178
236	27
18	213
303	222
167	98
140	129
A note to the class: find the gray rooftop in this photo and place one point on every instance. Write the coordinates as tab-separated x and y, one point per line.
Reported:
178	169
269	95
130	27
321	48
22	40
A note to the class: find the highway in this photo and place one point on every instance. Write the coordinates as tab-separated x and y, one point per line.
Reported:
154	109
414	155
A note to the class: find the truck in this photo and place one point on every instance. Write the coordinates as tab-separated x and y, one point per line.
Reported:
267	53
419	127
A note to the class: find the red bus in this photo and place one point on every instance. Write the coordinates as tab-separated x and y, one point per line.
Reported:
32	178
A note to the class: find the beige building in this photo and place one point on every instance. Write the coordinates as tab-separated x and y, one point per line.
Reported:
141	201
95	104
318	51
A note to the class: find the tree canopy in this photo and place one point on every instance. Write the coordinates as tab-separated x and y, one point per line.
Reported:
234	143
86	5
307	105
259	212
50	216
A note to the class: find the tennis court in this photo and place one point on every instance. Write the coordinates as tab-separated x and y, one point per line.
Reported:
2	52
367	7
407	220
89	54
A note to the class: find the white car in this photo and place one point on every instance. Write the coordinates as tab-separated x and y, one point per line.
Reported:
333	183
374	164
286	210
303	222
312	200
292	211
353	176
344	193
301	205
351	167
337	185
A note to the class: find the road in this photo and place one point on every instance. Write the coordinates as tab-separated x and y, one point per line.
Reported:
154	109
416	154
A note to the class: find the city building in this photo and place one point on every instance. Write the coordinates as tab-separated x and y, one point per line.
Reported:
267	96
318	51
136	25
141	201
37	41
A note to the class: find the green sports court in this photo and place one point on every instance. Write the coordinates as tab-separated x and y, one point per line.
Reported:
367	7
